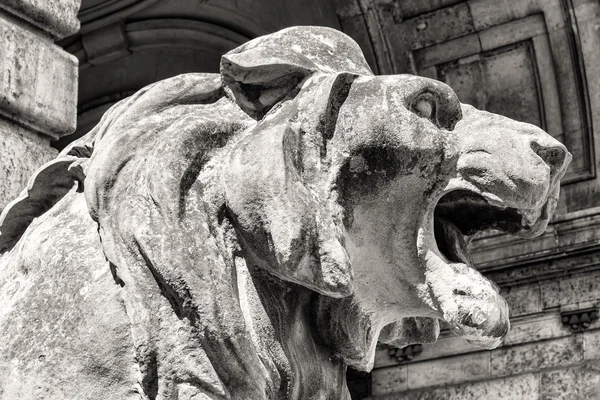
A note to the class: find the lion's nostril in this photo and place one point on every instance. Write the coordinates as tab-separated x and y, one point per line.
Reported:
459	292
554	156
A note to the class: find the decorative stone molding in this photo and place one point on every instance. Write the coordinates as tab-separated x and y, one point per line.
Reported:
579	320
406	353
105	44
56	17
38	86
38	81
568	235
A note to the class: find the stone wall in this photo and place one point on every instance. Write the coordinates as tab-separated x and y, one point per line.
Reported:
541	358
39	86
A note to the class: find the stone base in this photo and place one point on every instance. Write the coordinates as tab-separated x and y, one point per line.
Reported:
22	152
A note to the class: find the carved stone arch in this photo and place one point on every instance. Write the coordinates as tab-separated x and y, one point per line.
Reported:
124	45
122	58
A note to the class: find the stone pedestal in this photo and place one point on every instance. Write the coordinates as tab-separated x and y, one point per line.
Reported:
38	86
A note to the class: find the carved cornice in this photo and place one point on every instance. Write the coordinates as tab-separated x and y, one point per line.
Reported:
56	17
97	14
569	235
120	39
579	320
406	353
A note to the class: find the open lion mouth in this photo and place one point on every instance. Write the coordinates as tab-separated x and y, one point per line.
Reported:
461	214
468	302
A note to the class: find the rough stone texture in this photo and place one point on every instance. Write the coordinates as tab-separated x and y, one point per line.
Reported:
517	387
389	380
467	367
591	345
536	356
523	300
578	288
38	81
261	227
576	383
22	153
57	17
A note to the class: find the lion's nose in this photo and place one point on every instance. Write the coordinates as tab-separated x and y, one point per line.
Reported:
554	154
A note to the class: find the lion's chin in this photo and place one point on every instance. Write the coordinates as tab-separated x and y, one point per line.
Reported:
469	303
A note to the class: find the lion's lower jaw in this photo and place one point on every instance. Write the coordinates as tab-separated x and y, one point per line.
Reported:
468	302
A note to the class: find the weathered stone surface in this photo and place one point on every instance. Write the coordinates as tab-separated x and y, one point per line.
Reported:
523	330
261	227
535	329
57	17
581	287
64	326
514	387
535	356
522	300
576	383
22	153
462	368
38	81
591	344
389	380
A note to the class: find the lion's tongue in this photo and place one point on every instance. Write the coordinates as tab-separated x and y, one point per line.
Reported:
455	246
469	303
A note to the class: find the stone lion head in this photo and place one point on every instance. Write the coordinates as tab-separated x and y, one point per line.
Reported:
268	224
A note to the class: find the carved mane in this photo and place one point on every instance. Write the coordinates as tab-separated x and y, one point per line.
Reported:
143	168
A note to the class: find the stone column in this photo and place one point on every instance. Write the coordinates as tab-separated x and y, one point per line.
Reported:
38	86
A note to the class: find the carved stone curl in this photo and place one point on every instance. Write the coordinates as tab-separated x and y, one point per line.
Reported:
249	234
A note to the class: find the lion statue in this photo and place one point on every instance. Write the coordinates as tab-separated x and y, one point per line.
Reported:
250	234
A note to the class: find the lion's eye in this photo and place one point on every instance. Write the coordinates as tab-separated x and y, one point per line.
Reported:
424	106
424	109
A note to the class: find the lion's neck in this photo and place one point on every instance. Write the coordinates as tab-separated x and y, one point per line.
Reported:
280	317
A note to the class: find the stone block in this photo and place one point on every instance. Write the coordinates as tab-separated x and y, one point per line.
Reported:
488	13
517	387
38	82
513	32
57	17
446	346
439	26
466	367
389	380
576	383
536	356
413	8
514	387
581	287
522	300
533	330
523	330
22	153
591	345
447	51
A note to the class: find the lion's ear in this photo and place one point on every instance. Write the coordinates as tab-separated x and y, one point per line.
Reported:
260	77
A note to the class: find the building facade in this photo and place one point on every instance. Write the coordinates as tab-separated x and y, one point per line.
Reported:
65	62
